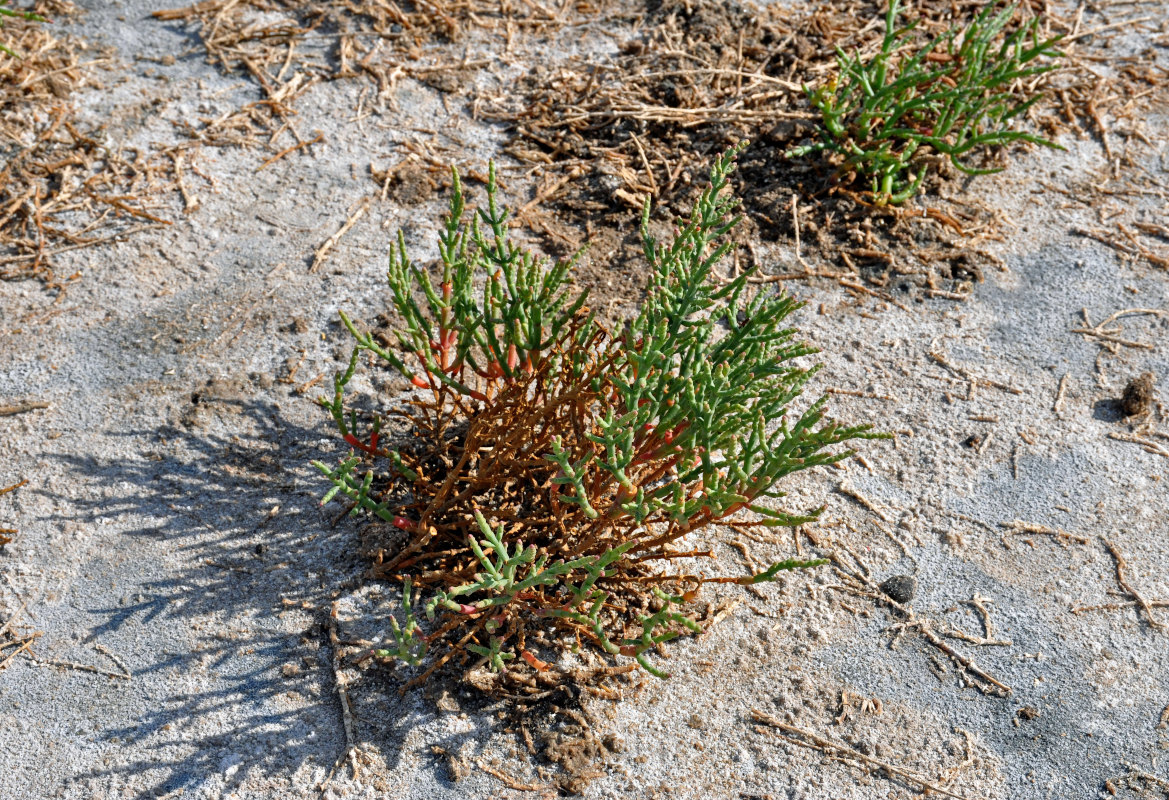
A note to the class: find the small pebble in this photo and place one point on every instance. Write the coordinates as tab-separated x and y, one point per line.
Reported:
901	588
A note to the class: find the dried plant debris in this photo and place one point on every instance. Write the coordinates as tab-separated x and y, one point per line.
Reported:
696	75
14	642
701	74
10	13
6	534
287	46
857	579
859	755
63	186
1106	95
1143	606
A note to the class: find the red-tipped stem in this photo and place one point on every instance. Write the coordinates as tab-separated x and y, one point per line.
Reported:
370	448
535	662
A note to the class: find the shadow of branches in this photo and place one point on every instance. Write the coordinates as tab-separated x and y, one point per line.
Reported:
234	566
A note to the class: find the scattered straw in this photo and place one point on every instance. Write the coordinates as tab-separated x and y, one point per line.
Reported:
60	183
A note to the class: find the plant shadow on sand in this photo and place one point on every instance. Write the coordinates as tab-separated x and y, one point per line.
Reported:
235	679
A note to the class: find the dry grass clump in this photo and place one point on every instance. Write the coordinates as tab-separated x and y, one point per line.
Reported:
287	46
696	75
1113	97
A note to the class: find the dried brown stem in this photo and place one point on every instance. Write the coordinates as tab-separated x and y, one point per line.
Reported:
843	753
1122	580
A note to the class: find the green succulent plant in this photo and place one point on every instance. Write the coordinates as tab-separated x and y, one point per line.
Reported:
953	96
555	471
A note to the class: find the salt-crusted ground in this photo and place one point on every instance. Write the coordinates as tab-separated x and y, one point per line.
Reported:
171	519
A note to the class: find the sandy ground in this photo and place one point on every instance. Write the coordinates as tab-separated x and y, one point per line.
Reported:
171	518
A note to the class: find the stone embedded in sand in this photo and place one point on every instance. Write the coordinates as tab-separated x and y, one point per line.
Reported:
1138	395
900	588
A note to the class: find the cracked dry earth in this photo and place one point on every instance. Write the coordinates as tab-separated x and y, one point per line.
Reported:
172	554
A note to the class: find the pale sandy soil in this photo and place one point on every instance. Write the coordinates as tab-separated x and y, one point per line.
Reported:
171	517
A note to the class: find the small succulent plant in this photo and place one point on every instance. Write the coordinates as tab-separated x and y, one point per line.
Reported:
560	481
953	96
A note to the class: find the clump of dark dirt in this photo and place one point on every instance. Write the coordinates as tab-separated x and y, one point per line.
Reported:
900	588
1138	395
286	46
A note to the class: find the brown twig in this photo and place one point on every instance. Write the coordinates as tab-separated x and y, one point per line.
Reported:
1127	248
1057	406
4	628
21	408
323	250
964	373
965	662
350	752
989	684
1148	445
848	490
987	639
310	383
13	488
858	287
112	657
843	753
320	137
23	646
509	781
723	613
1018	527
1121	565
80	668
190	201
